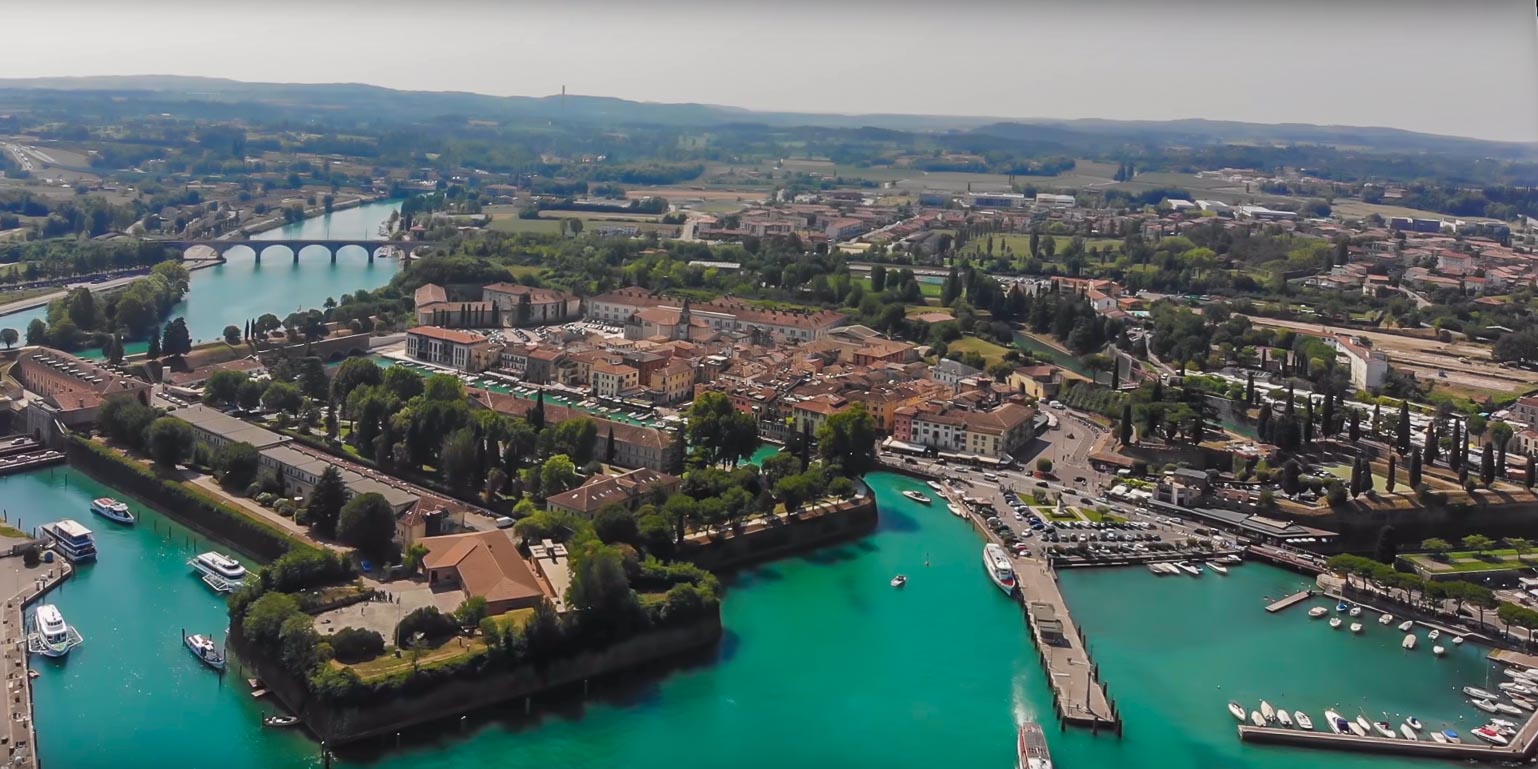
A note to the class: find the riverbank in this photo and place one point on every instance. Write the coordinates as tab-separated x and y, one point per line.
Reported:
277	222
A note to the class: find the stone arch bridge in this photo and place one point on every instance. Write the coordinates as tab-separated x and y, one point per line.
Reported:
295	246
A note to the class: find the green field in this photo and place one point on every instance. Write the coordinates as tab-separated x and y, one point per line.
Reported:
930	290
1467	560
991	352
512	223
1020	245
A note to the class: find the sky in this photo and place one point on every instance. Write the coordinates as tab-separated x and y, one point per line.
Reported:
1456	67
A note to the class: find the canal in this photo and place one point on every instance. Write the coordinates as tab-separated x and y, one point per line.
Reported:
823	664
241	289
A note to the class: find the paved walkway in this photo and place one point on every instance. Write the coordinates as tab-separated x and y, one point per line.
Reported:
266	514
1079	695
23	585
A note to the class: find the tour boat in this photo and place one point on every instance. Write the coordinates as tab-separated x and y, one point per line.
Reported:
1031	748
1490	735
899	581
1335	623
203	648
220	572
1236	709
996	561
1384	728
1356	611
1356	627
51	636
1433	635
1385	619
1480	694
1408	642
1283	718
1408	733
72	540
1439	737
1266	711
1333	720
1404	627
1257	719
1302	720
1218	567
1317	612
1485	705
934	485
1452	736
917	496
112	510
1457	640
1412	722
280	722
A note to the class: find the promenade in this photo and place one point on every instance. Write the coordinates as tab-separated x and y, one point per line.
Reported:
23	585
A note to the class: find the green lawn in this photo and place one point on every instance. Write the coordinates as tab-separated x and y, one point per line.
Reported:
991	352
1467	560
536	226
1098	517
930	290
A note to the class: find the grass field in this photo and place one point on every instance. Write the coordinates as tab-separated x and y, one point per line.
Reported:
991	352
1468	560
387	664
930	290
537	226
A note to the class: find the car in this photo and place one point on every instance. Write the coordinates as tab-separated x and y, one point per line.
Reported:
505	522
1041	484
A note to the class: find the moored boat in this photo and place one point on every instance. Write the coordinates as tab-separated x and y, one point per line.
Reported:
1457	640
1433	635
1384	728
72	540
1356	611
956	511
1284	718
1317	612
1451	736
1356	627
1412	722
1525	703
1335	623
50	635
1439	737
1237	710
1257	719
1302	720
112	510
996	561
1408	733
1486	705
918	496
1357	729
1188	568
1490	735
203	648
1266	711
1342	606
1438	650
935	485
1335	722
1510	710
1218	567
1408	642
1480	694
1404	627
220	572
1512	687
1386	619
1032	747
1364	723
280	722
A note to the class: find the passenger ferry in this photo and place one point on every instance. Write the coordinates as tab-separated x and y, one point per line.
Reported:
112	510
51	636
996	561
1032	747
203	648
220	572
72	540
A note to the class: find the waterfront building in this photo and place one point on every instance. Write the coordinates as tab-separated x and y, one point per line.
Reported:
484	564
610	380
69	390
460	350
993	434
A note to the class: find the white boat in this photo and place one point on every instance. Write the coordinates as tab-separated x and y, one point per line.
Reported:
1439	737
1364	724
1433	635
1525	703
50	635
1154	567
1480	694
1505	726
1236	709
203	648
1490	735
1485	705
1356	611
1457	640
280	722
1337	724
1412	722
220	572
1438	650
1283	718
1302	720
1408	733
917	496
72	540
1266	711
1408	642
956	511
1218	567
1188	568
935	485
1257	719
996	561
1386	619
1356	627
1335	623
1031	749
1317	612
899	581
112	510
1512	687
1384	728
1510	710
1404	627
1515	673
1357	729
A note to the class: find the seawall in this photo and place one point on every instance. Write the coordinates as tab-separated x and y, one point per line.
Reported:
788	537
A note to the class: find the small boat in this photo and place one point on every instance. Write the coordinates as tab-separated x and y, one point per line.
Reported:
1480	694
917	496
112	510
1408	733
1408	642
1525	703
1356	627
956	511
1452	736
203	648
1237	710
1257	719
1439	737
1490	735
1515	673
1341	606
1457	640
1404	627
1510	710
1438	650
1512	687
1219	568
899	580
1505	726
1283	718
1357	729
1413	722
1433	635
1364	724
1317	612
1154	567
1335	623
1386	619
1485	705
1356	611
1333	720
280	722
934	485
1302	720
1188	568
1266	711
1385	728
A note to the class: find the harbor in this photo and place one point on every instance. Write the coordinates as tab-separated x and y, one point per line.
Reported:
23	586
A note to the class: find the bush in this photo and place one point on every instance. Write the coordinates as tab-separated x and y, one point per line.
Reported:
356	645
434	625
1044	465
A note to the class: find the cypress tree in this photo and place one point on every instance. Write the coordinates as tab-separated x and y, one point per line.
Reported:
1263	423
1402	436
1328	415
1366	475
1487	465
609	451
1414	476
1528	480
1355	430
1388	483
1308	423
1500	461
1377	417
1249	389
1126	424
1432	443
1459	450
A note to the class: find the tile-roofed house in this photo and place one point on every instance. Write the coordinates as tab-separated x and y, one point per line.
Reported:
625	489
72	389
484	564
462	350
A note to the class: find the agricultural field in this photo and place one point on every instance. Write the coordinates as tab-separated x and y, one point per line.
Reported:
1356	208
991	352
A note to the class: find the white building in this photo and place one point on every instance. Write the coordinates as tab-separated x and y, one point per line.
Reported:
1055	201
1368	366
461	350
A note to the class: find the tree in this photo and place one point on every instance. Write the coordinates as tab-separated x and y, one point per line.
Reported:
599	586
413	557
459	460
1387	548
176	340
125	421
718	432
609	451
249	396
877	278
846	440
367	522
9	337
471	611
1518	544
282	396
352	645
558	474
1044	465
1487	465
153	353
1388	483
401	382
1291	472
232	335
356	372
1437	546
1402	430
169	441
1479	543
324	506
1354	431
1458	450
223	387
237	464
1414	474
1125	426
37	332
1527	477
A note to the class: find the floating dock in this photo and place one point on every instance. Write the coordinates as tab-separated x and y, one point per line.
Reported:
1290	601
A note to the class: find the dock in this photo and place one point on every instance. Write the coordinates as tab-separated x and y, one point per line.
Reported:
19	736
1077	692
1290	601
1513	657
1287	559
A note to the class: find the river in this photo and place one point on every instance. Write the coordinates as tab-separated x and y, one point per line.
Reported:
822	664
240	289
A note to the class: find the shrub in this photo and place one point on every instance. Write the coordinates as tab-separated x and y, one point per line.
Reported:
431	623
356	644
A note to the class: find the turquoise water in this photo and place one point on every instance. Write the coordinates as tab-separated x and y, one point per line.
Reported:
823	664
238	290
765	451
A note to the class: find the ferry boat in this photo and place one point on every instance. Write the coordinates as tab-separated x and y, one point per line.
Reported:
51	636
1302	720
917	496
996	561
220	572
72	540
112	510
1032	747
203	648
1337	724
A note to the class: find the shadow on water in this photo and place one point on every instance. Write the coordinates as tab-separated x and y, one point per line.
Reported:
831	556
895	521
753	576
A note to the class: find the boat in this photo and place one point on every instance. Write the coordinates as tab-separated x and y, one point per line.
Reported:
203	648
1356	627
1357	729
1433	635
1218	567
1505	726
1154	567
1266	711
1341	606
1188	568
1335	623
956	511
935	485
1510	710
1356	611
1439	737
1302	720
1257	719
1490	735
1525	703
1485	705
1386	619
1384	728
917	496
1452	736
72	540
1317	612
50	635
1480	694
899	580
1236	709
1412	722
1364	724
1438	650
1408	733
1337	724
1408	642
220	572
996	561
1283	718
112	510
1032	747
1512	687
1457	640
280	722
1515	673
1404	627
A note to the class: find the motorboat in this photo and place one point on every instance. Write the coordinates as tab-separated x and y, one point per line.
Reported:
1188	568
1363	723
1485	705
956	511
1433	635
1404	627
1385	619
1356	627
1031	748
1408	733
1335	623
1439	737
1510	710
1317	612
1438	650
1283	718
1457	640
1237	710
1515	673
1452	736
1384	728
917	496
1504	725
935	485
1408	642
1266	711
1480	694
1512	687
1342	606
50	635
112	510
72	540
1491	736
203	648
1356	611
1524	703
220	572
1413	722
1257	719
281	722
1357	729
1302	720
996	561
1218	567
899	580
1333	720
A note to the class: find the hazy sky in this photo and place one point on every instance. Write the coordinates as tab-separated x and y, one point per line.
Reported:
1462	67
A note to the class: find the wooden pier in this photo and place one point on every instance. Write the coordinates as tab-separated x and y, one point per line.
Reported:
1290	601
1077	692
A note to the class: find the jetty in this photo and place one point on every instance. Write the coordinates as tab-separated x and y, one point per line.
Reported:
1521	746
1290	601
1077	692
19	736
1513	657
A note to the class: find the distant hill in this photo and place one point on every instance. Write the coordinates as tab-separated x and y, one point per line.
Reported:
390	105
